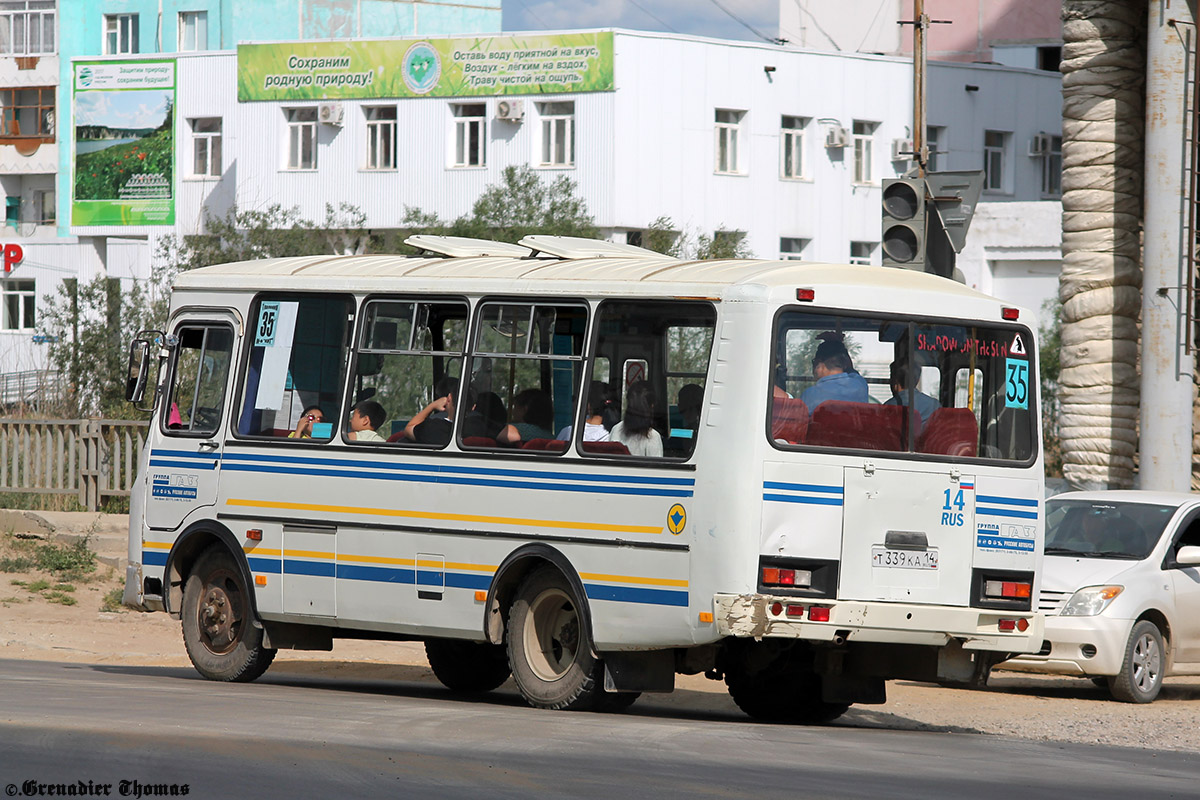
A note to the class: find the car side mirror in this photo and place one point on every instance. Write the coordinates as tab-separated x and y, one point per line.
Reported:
1188	556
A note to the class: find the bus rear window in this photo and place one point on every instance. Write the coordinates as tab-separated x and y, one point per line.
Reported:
945	390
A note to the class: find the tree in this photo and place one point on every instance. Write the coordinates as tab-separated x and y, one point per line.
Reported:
662	237
521	204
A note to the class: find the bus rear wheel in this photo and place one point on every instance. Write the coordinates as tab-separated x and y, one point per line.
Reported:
219	633
548	650
776	695
467	667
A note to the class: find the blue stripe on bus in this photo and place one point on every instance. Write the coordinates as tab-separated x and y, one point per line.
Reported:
446	479
154	558
182	464
799	498
1006	501
463	580
323	569
358	572
264	564
427	577
1004	512
630	594
803	487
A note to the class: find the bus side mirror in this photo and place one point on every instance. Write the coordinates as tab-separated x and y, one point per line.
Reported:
139	368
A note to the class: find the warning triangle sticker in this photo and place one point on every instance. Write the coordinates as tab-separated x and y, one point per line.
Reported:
1018	346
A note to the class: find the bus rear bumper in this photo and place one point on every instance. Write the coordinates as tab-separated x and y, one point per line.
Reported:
761	616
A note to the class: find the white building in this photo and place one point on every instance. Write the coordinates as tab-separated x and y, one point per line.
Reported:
784	145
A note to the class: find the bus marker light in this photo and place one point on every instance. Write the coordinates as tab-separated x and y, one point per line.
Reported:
818	613
260	580
254	535
706	616
1022	624
770	575
806	295
1008	624
1010	589
480	596
776	608
1010	313
787	577
794	610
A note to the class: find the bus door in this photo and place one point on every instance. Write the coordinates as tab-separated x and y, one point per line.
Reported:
185	461
907	536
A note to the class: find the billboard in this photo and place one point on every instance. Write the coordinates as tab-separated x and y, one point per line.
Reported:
123	152
392	68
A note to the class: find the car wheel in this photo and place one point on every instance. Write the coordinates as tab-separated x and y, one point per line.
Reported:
1141	675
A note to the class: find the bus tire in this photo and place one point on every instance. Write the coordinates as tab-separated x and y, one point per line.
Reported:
1141	675
778	696
219	633
467	667
548	648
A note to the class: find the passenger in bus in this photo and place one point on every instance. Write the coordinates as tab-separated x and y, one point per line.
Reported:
593	421
434	424
691	398
533	418
636	431
365	419
903	377
308	417
835	373
486	418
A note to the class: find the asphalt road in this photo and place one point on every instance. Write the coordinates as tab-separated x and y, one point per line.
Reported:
288	736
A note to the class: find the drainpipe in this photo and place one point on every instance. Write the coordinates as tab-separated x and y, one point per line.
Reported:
1165	444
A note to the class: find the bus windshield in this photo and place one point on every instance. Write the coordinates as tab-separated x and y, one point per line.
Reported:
944	389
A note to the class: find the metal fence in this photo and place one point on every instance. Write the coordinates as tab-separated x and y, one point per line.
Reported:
91	459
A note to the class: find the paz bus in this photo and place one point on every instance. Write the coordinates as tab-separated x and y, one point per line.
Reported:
802	550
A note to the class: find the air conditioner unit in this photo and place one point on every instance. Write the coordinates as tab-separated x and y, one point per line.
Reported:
836	137
902	150
1040	145
330	113
510	110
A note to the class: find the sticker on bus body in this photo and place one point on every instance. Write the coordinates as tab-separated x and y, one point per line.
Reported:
1005	537
1016	383
172	486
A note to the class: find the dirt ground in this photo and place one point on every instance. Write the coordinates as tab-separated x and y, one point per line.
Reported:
36	625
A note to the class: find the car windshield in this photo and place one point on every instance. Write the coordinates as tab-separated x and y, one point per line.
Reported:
1104	529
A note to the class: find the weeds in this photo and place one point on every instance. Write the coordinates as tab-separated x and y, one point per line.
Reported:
113	601
71	559
40	585
16	564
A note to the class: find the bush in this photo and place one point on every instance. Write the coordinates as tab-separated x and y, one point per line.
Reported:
74	559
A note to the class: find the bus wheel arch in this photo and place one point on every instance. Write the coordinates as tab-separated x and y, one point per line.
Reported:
193	541
513	571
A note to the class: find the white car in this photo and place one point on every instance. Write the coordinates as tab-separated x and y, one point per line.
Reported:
1120	590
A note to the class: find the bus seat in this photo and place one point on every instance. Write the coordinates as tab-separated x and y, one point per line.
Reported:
606	448
840	423
950	432
789	419
395	437
478	441
552	445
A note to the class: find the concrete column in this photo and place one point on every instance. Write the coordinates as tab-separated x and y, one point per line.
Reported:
1165	443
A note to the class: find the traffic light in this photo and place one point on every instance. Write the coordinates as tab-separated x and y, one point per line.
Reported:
904	231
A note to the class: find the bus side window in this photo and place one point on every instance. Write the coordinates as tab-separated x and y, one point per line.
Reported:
197	393
662	351
407	356
297	361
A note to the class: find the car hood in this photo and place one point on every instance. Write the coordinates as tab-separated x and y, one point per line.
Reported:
1068	573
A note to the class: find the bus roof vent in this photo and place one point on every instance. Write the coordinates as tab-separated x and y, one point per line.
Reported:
578	247
463	246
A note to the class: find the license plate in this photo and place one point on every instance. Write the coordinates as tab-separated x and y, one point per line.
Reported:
904	559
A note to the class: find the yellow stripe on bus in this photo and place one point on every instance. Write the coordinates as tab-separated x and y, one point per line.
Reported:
307	554
470	567
596	576
157	545
390	512
253	550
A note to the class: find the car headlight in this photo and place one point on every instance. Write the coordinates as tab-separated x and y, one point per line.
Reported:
1090	601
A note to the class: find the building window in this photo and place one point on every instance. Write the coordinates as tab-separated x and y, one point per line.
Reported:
1051	165
302	137
120	34
206	147
994	145
558	134
934	137
27	114
792	249
193	31
20	298
791	140
728	125
43	206
470	134
381	137
27	27
863	151
862	252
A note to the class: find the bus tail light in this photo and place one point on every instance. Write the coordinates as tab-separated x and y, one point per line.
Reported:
795	610
1012	590
1010	625
806	295
1010	313
818	613
783	576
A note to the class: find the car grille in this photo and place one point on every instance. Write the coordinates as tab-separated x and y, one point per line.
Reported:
1051	603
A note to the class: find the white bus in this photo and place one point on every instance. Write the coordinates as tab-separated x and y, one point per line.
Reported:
594	467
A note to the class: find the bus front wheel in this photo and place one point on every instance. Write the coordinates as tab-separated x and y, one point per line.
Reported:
551	658
219	633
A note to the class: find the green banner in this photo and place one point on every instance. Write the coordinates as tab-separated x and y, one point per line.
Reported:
124	152
480	65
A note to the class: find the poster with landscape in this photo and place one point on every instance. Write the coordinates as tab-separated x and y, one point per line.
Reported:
124	143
